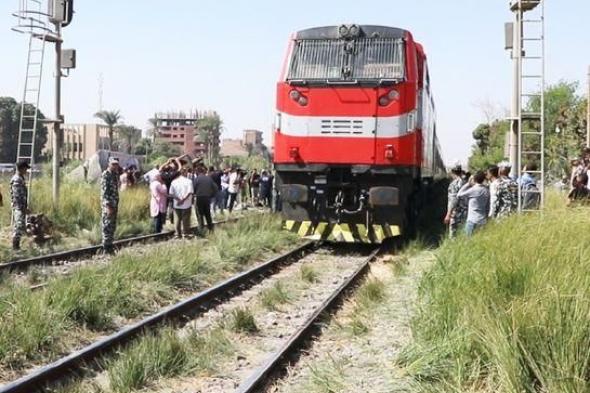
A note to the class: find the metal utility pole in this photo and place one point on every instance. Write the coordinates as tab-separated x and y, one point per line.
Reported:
515	109
57	132
526	38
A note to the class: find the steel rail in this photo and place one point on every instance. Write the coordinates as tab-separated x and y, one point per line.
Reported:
84	252
41	378
276	363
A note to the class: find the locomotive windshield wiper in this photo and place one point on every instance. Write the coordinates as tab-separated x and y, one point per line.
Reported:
297	82
342	82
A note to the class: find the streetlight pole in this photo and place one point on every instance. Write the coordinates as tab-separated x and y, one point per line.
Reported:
57	132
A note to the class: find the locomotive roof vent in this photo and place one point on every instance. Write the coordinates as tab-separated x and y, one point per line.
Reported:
349	31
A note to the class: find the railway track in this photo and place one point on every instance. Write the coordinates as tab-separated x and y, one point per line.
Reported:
276	364
189	309
85	252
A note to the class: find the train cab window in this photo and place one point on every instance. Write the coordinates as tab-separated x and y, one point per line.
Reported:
379	58
317	59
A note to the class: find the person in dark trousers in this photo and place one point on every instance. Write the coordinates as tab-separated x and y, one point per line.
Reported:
19	203
233	188
579	195
217	201
169	171
109	196
158	202
255	187
266	189
205	190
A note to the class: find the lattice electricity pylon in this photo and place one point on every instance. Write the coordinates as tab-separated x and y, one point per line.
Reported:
530	55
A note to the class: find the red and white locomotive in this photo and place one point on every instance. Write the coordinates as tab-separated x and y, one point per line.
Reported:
355	136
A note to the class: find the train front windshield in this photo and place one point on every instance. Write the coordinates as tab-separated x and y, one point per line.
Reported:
347	60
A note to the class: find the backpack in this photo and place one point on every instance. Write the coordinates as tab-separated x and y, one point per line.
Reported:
531	197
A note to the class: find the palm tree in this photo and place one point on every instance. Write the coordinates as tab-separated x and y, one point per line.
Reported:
111	119
209	130
131	135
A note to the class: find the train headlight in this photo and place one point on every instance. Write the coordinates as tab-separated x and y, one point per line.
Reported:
343	31
298	97
393	95
295	95
388	98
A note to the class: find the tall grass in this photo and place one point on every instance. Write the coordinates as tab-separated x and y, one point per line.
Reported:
78	212
79	205
508	310
34	324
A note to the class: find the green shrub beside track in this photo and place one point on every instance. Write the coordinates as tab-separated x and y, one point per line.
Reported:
508	311
35	324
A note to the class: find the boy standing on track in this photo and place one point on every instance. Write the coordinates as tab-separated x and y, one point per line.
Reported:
109	197
181	190
19	194
478	201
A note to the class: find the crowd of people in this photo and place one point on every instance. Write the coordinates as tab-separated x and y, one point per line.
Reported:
475	199
180	186
177	188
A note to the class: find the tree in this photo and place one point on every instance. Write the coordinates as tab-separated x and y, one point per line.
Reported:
482	137
489	145
130	136
565	131
9	129
161	151
144	147
111	119
209	132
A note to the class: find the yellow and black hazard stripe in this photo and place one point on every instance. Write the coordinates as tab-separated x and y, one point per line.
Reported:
343	233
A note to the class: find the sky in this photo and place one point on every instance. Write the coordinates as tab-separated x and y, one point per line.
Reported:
226	56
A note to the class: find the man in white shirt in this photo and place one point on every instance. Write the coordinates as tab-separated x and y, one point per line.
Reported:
182	191
493	177
233	188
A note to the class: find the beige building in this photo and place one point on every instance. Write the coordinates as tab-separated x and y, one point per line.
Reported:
81	141
253	138
233	148
251	143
